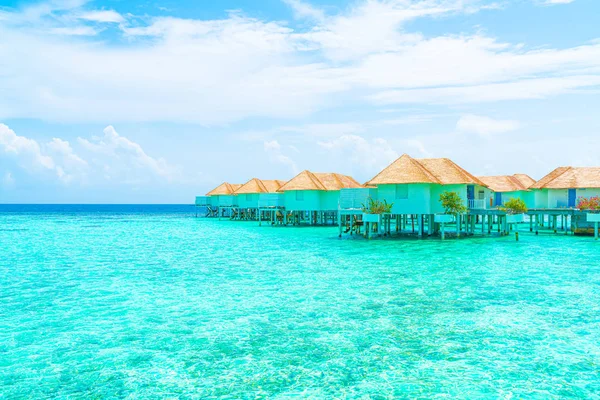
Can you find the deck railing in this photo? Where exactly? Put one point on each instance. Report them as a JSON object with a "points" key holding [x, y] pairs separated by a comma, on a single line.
{"points": [[477, 204], [352, 199], [202, 201]]}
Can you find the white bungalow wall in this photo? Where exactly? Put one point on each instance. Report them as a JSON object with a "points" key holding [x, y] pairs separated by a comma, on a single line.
{"points": [[302, 200], [423, 198]]}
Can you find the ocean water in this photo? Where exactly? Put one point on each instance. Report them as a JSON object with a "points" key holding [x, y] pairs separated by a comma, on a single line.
{"points": [[150, 302]]}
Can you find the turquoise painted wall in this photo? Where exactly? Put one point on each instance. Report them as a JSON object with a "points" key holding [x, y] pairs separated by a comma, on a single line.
{"points": [[527, 197], [311, 200], [248, 200], [407, 199], [423, 198], [307, 200], [330, 200], [226, 200], [271, 200]]}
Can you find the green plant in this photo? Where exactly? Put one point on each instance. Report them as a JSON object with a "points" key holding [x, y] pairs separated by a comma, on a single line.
{"points": [[452, 203], [514, 206], [377, 207], [593, 203]]}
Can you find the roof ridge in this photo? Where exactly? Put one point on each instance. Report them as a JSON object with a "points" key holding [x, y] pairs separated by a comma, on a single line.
{"points": [[383, 170], [425, 169], [315, 179], [337, 178], [564, 171]]}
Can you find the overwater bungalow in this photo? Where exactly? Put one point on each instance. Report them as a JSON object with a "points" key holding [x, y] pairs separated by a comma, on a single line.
{"points": [[562, 187], [223, 202], [314, 197], [256, 195], [504, 187], [414, 187]]}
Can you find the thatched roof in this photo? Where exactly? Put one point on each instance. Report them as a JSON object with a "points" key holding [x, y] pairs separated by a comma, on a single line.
{"points": [[255, 185], [570, 178], [425, 170], [508, 183], [307, 180], [224, 189]]}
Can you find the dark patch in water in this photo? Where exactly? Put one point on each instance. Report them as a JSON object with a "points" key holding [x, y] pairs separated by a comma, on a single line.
{"points": [[14, 230]]}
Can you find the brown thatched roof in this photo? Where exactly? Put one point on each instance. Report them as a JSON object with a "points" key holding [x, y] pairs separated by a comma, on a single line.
{"points": [[224, 189], [570, 178], [508, 183], [525, 180], [425, 170], [255, 185], [307, 180]]}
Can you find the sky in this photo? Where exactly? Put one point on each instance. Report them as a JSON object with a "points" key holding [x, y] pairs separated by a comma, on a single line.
{"points": [[153, 101]]}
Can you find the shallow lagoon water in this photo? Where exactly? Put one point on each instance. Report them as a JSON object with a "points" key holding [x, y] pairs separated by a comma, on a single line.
{"points": [[154, 303]]}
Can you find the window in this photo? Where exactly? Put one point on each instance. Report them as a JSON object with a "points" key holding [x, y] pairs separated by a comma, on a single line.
{"points": [[299, 195], [401, 192]]}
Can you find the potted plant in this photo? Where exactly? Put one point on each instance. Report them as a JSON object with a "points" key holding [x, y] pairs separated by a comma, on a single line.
{"points": [[453, 205], [374, 208], [592, 206], [515, 209]]}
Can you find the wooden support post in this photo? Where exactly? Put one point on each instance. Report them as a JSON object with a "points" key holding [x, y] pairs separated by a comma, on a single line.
{"points": [[430, 224], [458, 224], [483, 224], [555, 222], [473, 217], [531, 223], [596, 230], [339, 224], [443, 231]]}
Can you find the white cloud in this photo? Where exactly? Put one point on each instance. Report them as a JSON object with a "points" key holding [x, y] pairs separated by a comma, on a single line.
{"points": [[370, 155], [219, 71], [520, 90], [111, 157], [27, 151], [123, 159], [552, 2], [305, 10], [104, 16], [485, 126], [74, 31], [274, 150]]}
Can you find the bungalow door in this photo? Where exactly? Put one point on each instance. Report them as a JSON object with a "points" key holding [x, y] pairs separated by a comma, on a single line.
{"points": [[572, 198], [471, 196], [498, 198]]}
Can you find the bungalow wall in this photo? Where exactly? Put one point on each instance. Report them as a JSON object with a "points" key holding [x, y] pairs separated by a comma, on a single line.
{"points": [[437, 190], [271, 200], [411, 198], [540, 198], [587, 193], [528, 198], [247, 200], [303, 200], [226, 200], [330, 200], [355, 198]]}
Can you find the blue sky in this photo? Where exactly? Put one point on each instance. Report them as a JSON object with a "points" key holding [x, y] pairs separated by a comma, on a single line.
{"points": [[158, 101]]}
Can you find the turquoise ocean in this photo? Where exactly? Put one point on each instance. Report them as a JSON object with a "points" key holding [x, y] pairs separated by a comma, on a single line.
{"points": [[150, 302]]}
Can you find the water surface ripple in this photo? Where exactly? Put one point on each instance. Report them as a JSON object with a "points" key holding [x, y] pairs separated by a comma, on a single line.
{"points": [[151, 305]]}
